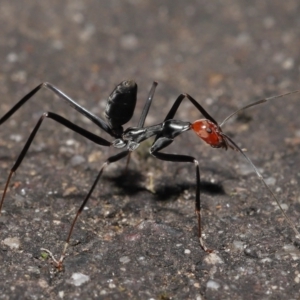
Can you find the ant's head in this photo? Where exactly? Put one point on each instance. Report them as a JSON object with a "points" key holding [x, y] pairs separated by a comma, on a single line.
{"points": [[210, 133]]}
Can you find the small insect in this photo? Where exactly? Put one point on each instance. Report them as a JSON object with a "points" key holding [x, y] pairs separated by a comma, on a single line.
{"points": [[119, 110]]}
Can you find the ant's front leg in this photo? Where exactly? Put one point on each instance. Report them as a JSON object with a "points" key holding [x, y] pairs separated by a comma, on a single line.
{"points": [[163, 142], [94, 138]]}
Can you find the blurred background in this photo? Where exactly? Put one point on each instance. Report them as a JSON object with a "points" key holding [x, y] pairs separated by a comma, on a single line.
{"points": [[223, 53]]}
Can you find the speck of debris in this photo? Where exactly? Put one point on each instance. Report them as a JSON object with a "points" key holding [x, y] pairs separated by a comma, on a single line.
{"points": [[288, 64], [284, 206], [124, 259], [77, 160], [213, 259], [78, 279], [112, 285], [129, 42], [297, 278], [69, 191], [95, 156], [291, 250], [16, 137], [187, 251], [266, 260], [70, 142], [244, 169], [12, 57], [33, 270], [237, 246], [270, 181], [211, 284], [12, 243]]}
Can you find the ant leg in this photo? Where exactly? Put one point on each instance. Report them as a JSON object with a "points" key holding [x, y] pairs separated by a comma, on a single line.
{"points": [[127, 163], [110, 160], [94, 138], [143, 115], [178, 101], [163, 142], [98, 121], [176, 105], [147, 105]]}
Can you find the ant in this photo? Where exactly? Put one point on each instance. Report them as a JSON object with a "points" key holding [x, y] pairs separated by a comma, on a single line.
{"points": [[119, 110]]}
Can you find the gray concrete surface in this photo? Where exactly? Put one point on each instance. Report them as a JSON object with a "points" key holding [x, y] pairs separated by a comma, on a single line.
{"points": [[137, 240]]}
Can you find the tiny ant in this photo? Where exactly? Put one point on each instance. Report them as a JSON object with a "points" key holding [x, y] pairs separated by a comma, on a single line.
{"points": [[119, 110]]}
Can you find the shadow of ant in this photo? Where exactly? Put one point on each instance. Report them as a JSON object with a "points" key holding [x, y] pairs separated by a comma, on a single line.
{"points": [[132, 182]]}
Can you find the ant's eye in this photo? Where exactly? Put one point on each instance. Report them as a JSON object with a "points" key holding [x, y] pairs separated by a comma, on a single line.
{"points": [[208, 130]]}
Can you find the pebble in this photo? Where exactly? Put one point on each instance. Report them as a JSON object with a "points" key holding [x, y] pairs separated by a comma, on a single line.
{"points": [[12, 243], [77, 160], [78, 279], [124, 259], [211, 284]]}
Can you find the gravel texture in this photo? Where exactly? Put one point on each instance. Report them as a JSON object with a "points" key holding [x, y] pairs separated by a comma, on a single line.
{"points": [[137, 239]]}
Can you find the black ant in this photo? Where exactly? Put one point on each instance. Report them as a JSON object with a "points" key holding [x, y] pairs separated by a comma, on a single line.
{"points": [[119, 110]]}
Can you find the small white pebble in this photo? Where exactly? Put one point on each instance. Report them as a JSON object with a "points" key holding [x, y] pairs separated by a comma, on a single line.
{"points": [[33, 270], [124, 259], [77, 160], [187, 251], [70, 142], [112, 286], [12, 243], [238, 246], [297, 278], [245, 169], [288, 63], [211, 284], [12, 57], [213, 259], [266, 260], [284, 206], [78, 279], [129, 42], [16, 137], [270, 181]]}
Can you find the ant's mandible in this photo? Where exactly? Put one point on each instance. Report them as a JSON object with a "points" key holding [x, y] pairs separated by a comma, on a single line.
{"points": [[119, 110]]}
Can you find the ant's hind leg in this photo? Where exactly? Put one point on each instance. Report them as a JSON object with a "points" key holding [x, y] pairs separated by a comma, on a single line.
{"points": [[110, 160], [163, 142]]}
